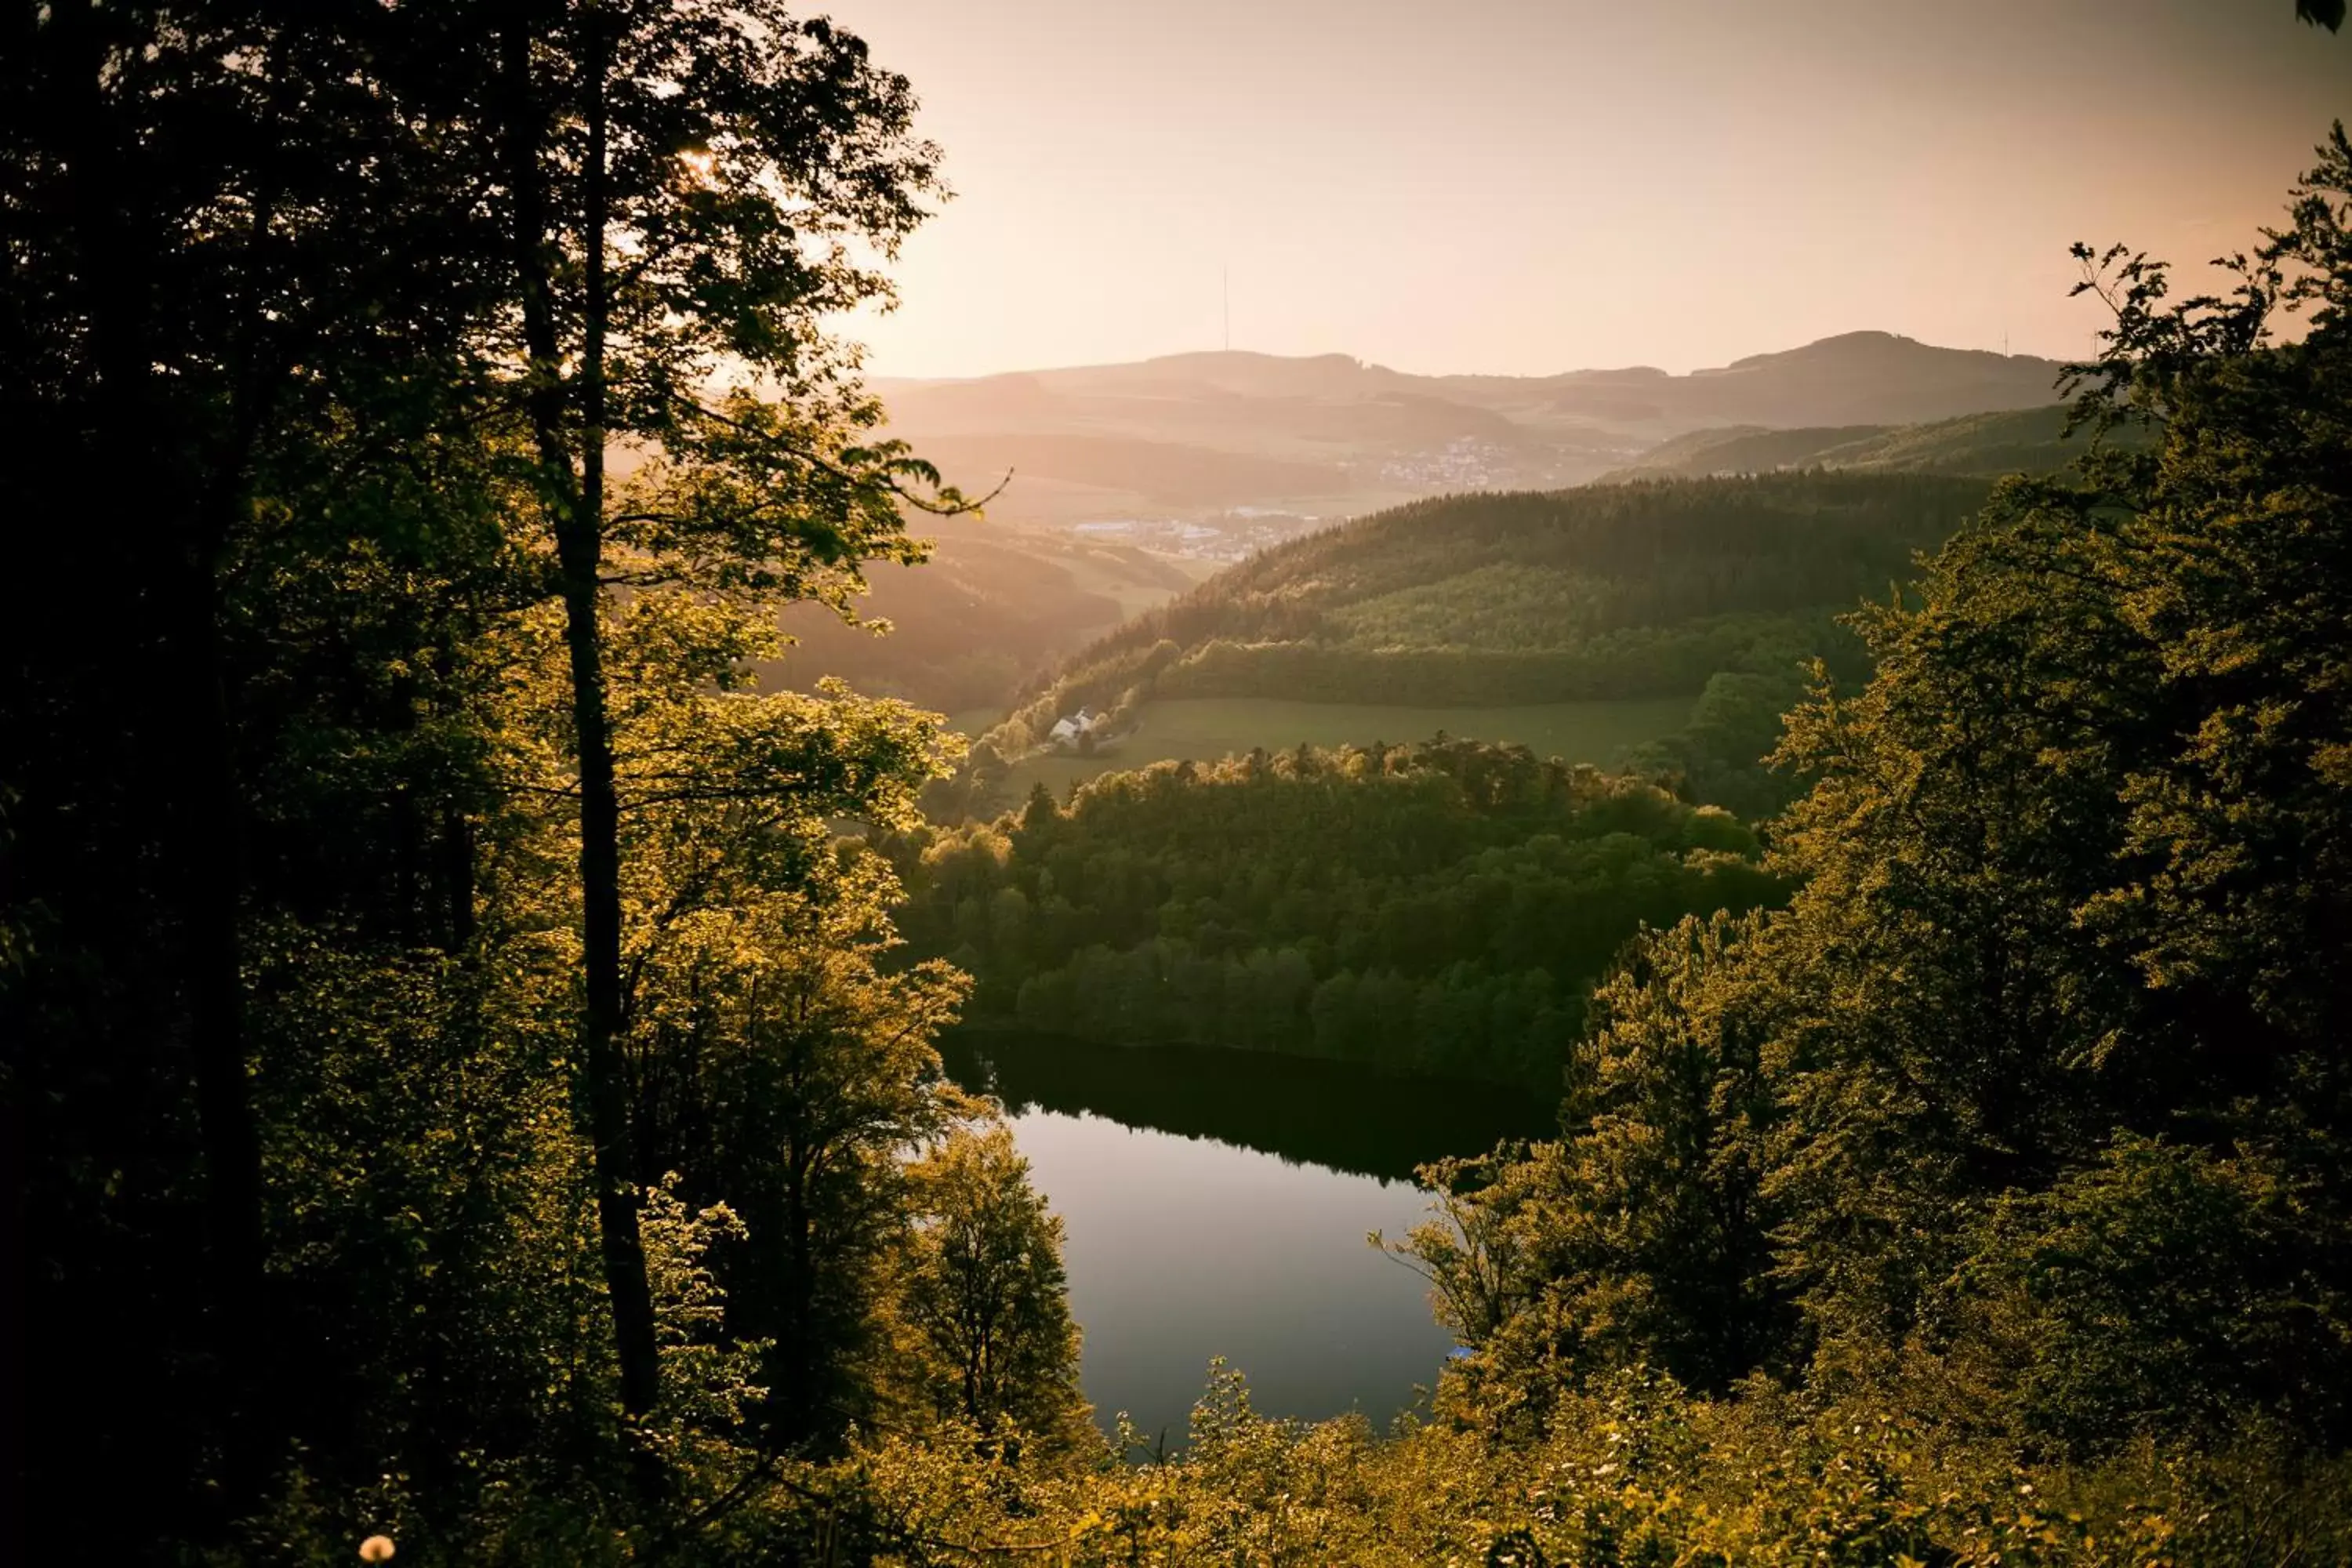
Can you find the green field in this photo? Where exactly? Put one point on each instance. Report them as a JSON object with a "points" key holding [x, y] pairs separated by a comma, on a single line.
{"points": [[974, 722], [1206, 728]]}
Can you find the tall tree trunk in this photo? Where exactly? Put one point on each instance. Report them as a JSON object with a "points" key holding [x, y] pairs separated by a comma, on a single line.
{"points": [[578, 509], [204, 820], [181, 740], [457, 851]]}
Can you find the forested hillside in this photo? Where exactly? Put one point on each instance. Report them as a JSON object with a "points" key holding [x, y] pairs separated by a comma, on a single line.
{"points": [[2027, 1115], [1987, 444], [1437, 909], [471, 1100], [1217, 438], [1723, 587], [1003, 604], [981, 614], [1454, 612]]}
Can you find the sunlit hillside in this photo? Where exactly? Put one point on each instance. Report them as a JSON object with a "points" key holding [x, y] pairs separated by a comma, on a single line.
{"points": [[2029, 440], [992, 606], [1645, 594]]}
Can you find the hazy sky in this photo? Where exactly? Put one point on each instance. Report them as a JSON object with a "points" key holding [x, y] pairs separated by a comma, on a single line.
{"points": [[1534, 185]]}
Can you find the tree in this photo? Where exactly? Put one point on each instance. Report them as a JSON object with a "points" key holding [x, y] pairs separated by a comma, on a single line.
{"points": [[679, 188], [1642, 1236], [326, 320], [776, 1062], [984, 1289], [1671, 1111], [2078, 856], [220, 225], [2159, 1287], [2031, 1104]]}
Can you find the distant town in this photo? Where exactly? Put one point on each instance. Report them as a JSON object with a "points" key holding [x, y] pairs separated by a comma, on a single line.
{"points": [[1232, 535], [1465, 463]]}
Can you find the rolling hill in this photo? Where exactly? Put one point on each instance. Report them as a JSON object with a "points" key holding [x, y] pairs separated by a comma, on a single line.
{"points": [[1711, 591], [1209, 431], [2022, 440], [992, 607], [1131, 482]]}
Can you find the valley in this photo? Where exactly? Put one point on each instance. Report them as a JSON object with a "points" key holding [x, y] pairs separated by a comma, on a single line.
{"points": [[1126, 486], [636, 948]]}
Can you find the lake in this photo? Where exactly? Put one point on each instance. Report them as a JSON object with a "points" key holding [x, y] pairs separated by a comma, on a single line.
{"points": [[1216, 1204]]}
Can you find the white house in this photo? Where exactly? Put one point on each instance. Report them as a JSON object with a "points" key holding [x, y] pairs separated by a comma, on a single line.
{"points": [[1070, 726]]}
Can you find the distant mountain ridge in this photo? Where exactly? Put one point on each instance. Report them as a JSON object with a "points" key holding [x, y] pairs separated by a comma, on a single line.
{"points": [[1331, 434], [1889, 378]]}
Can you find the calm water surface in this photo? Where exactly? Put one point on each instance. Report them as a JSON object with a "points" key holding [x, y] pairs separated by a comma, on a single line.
{"points": [[1217, 1204]]}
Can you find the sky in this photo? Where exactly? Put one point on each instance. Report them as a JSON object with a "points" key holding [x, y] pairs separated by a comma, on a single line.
{"points": [[1528, 186]]}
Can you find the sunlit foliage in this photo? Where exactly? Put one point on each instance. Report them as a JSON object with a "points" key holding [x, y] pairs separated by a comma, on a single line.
{"points": [[477, 1108]]}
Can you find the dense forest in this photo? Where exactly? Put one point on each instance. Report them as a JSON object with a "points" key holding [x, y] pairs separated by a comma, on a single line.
{"points": [[472, 1101], [1436, 908], [463, 1096], [2026, 1116]]}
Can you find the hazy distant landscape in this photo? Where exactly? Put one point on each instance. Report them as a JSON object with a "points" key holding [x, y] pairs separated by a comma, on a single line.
{"points": [[1194, 433], [1128, 483], [712, 857]]}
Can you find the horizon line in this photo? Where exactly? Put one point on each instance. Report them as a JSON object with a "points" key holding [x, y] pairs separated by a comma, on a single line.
{"points": [[2002, 353]]}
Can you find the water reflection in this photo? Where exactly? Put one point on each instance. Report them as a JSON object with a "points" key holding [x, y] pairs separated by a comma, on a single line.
{"points": [[1217, 1204], [1333, 1114]]}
